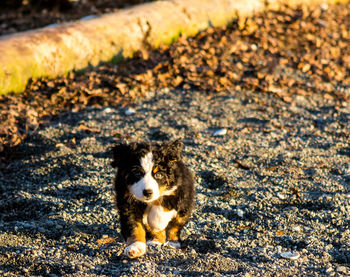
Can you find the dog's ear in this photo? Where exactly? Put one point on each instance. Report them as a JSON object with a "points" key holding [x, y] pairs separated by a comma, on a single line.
{"points": [[174, 149], [120, 152]]}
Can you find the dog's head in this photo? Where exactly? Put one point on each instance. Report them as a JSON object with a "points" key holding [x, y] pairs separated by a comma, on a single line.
{"points": [[148, 171]]}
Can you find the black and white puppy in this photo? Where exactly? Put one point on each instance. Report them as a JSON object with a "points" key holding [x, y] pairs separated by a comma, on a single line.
{"points": [[154, 194]]}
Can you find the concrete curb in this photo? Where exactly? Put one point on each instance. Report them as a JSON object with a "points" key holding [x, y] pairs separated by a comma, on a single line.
{"points": [[54, 51]]}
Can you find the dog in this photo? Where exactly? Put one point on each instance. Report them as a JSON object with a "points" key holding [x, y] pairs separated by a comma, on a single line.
{"points": [[154, 194]]}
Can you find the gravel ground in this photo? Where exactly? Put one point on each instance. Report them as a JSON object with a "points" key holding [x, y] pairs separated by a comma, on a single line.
{"points": [[271, 177]]}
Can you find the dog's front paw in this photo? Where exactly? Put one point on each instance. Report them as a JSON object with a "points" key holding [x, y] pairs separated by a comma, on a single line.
{"points": [[173, 244], [135, 249]]}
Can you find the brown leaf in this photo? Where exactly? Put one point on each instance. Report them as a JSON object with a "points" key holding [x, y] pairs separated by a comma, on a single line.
{"points": [[72, 143], [177, 81], [223, 81], [88, 129], [295, 192], [123, 88], [241, 165], [106, 240], [306, 67], [243, 227], [328, 96], [287, 99]]}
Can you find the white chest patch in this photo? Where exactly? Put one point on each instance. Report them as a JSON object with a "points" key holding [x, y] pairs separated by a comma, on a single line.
{"points": [[158, 219]]}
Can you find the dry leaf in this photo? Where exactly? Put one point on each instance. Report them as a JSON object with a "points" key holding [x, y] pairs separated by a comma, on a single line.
{"points": [[240, 165], [295, 192], [106, 240], [87, 129]]}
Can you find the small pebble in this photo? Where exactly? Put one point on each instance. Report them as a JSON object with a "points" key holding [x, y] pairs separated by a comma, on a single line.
{"points": [[321, 23], [281, 196], [324, 7], [129, 111], [296, 228], [341, 269], [108, 110], [220, 132], [240, 213], [290, 255], [254, 47]]}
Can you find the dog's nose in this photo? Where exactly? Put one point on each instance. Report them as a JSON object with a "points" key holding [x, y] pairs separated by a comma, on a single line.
{"points": [[147, 193]]}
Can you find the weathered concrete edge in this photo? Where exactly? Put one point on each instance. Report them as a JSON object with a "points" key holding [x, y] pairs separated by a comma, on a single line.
{"points": [[57, 50]]}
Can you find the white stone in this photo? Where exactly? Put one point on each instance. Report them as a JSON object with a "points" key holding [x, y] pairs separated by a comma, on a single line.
{"points": [[290, 255], [254, 47], [220, 132], [324, 7], [240, 213], [296, 228], [107, 110], [129, 111], [173, 244]]}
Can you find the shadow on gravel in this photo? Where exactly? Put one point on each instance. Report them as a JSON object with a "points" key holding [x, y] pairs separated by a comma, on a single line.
{"points": [[36, 201], [203, 246], [341, 256], [38, 268], [317, 205], [76, 192], [16, 209], [290, 243]]}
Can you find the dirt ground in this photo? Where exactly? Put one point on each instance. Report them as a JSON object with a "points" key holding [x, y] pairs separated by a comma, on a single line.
{"points": [[263, 110]]}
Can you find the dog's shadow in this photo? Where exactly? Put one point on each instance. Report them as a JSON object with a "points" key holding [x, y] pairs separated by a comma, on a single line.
{"points": [[50, 189]]}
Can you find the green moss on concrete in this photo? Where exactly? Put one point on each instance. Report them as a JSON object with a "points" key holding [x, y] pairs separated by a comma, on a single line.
{"points": [[114, 37]]}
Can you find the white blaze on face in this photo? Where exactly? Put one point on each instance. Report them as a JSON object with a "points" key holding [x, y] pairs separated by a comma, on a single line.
{"points": [[147, 182]]}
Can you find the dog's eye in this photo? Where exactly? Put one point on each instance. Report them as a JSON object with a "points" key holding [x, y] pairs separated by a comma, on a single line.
{"points": [[158, 175]]}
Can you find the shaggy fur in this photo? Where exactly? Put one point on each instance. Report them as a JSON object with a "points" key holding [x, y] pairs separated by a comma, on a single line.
{"points": [[154, 194]]}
